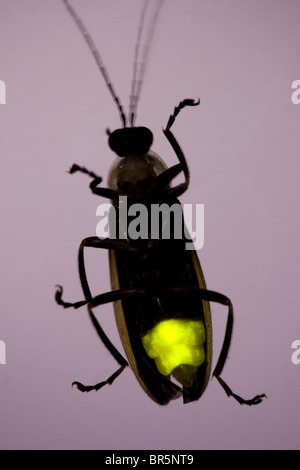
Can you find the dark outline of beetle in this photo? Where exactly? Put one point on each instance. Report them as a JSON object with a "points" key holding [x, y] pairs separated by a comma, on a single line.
{"points": [[125, 142]]}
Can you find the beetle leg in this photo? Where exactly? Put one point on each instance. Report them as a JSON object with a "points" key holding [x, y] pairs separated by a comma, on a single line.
{"points": [[114, 352], [95, 242], [177, 109], [166, 177], [213, 296], [162, 180], [253, 401], [180, 189], [109, 381], [101, 299], [220, 298], [104, 192], [60, 301]]}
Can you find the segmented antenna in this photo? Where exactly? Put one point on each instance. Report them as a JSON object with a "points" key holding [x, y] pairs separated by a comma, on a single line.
{"points": [[139, 72], [132, 97], [97, 57]]}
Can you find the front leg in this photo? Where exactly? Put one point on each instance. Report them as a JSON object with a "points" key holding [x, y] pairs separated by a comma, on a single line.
{"points": [[177, 109], [104, 192], [166, 177], [180, 189]]}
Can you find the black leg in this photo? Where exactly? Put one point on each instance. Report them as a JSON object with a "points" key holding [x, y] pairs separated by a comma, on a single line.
{"points": [[166, 177], [253, 401], [114, 352], [180, 189], [216, 297], [104, 192], [95, 242], [212, 296], [161, 181], [104, 298], [96, 387], [107, 297], [177, 109], [60, 301]]}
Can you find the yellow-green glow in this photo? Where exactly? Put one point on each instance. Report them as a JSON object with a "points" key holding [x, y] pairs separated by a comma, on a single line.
{"points": [[173, 342]]}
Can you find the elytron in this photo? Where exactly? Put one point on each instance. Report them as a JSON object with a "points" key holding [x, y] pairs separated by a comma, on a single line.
{"points": [[161, 303]]}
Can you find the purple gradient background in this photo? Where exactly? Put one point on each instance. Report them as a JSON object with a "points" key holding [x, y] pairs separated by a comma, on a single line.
{"points": [[242, 146]]}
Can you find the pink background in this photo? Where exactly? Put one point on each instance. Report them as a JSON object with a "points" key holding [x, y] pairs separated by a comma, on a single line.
{"points": [[242, 146]]}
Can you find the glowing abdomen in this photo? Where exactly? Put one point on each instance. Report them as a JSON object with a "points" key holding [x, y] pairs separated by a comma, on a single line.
{"points": [[177, 348]]}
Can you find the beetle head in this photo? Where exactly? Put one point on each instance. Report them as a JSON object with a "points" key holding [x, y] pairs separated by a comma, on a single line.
{"points": [[130, 141]]}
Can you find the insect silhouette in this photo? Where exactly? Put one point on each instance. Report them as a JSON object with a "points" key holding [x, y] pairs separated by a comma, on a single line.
{"points": [[161, 303]]}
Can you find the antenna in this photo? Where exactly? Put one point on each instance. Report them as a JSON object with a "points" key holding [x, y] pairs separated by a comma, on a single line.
{"points": [[132, 104], [139, 72], [97, 57]]}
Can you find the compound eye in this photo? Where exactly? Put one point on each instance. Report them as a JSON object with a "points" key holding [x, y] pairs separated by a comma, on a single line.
{"points": [[144, 139]]}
